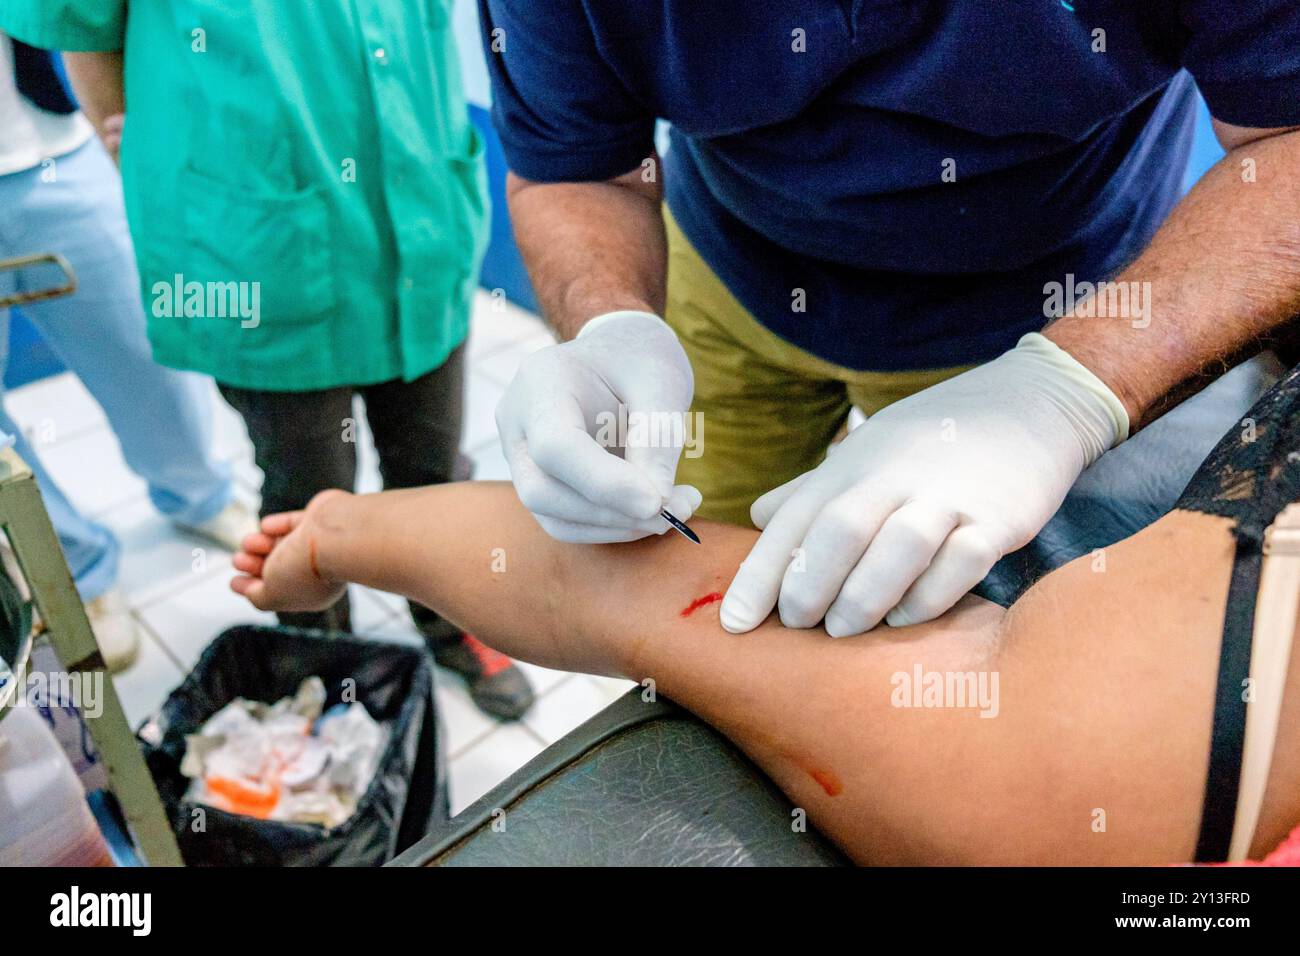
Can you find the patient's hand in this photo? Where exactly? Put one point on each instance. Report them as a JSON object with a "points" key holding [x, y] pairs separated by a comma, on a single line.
{"points": [[280, 571]]}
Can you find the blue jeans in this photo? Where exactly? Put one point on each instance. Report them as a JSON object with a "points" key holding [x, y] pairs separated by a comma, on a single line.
{"points": [[162, 418]]}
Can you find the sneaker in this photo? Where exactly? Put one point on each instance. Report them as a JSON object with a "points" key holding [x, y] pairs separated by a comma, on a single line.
{"points": [[496, 684], [228, 527], [116, 630]]}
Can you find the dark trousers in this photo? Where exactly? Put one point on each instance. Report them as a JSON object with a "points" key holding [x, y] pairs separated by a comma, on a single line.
{"points": [[305, 442]]}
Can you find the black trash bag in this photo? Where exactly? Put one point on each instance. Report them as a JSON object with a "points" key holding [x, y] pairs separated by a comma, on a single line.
{"points": [[395, 684]]}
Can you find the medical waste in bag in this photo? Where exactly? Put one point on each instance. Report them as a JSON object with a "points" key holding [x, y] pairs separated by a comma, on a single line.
{"points": [[285, 761]]}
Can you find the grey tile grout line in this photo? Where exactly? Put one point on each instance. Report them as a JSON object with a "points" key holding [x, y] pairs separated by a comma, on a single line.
{"points": [[482, 738], [369, 595], [165, 588], [498, 725], [536, 736], [197, 579], [474, 741], [157, 639]]}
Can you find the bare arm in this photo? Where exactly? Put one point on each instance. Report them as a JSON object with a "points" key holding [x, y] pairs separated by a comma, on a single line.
{"points": [[97, 80], [1224, 273], [592, 248], [1104, 680]]}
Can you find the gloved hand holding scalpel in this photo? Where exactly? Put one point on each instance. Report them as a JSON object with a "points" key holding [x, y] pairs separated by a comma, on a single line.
{"points": [[908, 514]]}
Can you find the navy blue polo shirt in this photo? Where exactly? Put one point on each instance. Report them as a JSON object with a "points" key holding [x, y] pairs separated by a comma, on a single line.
{"points": [[911, 173]]}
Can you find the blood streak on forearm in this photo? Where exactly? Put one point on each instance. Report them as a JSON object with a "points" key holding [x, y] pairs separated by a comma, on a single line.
{"points": [[699, 602]]}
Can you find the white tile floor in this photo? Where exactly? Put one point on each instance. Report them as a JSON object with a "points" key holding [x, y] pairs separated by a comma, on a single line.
{"points": [[178, 590]]}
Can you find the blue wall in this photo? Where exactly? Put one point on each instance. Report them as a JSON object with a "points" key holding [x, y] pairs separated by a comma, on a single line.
{"points": [[1206, 150], [503, 268], [29, 357]]}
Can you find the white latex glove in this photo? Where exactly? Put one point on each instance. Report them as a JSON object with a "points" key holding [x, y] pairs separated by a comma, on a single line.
{"points": [[915, 506], [565, 397]]}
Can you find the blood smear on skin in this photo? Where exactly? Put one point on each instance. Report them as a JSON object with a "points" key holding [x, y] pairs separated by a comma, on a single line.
{"points": [[699, 602], [828, 782]]}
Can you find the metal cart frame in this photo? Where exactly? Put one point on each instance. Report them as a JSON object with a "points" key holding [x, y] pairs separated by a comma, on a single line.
{"points": [[26, 523]]}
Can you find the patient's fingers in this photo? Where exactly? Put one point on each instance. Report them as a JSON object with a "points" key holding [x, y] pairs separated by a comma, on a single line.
{"points": [[248, 563], [574, 533], [252, 588], [258, 543], [282, 523]]}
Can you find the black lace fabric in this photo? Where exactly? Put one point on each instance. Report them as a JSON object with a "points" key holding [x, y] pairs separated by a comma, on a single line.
{"points": [[1250, 476], [1254, 471]]}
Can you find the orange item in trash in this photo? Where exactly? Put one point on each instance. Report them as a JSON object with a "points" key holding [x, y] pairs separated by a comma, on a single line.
{"points": [[245, 797]]}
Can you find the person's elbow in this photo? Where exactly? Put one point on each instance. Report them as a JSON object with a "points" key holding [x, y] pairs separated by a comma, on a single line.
{"points": [[644, 181]]}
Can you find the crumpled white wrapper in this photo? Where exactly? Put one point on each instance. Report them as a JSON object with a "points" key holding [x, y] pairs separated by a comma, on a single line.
{"points": [[314, 767]]}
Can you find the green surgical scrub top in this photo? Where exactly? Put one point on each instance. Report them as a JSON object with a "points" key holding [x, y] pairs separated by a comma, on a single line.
{"points": [[305, 191]]}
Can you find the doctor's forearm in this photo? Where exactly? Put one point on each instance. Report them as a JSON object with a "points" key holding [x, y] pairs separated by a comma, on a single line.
{"points": [[591, 248], [1224, 274]]}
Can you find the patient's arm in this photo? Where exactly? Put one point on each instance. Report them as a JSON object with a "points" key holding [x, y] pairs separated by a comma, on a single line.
{"points": [[1105, 678]]}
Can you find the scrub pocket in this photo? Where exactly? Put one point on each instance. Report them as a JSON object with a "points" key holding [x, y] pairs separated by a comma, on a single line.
{"points": [[470, 200], [453, 224], [276, 242]]}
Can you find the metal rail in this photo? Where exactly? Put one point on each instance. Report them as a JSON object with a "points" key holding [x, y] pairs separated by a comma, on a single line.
{"points": [[40, 295], [35, 545]]}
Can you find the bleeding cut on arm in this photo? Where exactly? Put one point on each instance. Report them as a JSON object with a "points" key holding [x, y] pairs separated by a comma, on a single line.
{"points": [[1086, 712]]}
